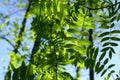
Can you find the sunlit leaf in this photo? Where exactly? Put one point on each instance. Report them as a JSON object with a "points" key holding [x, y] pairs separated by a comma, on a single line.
{"points": [[85, 42], [84, 33], [73, 31], [71, 39], [4, 24], [39, 77]]}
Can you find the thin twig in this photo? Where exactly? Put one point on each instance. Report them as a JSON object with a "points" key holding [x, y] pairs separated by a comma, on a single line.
{"points": [[4, 38], [7, 40]]}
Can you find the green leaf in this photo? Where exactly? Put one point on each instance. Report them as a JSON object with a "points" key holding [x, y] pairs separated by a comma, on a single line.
{"points": [[71, 38], [47, 76], [106, 61], [112, 25], [72, 57], [112, 71], [71, 50], [106, 44], [15, 74], [84, 33], [115, 12], [69, 45], [105, 49], [73, 31], [116, 1], [100, 68], [4, 24], [30, 69], [104, 27], [23, 70], [118, 79], [39, 77], [103, 72], [87, 63], [104, 34], [102, 56], [110, 43], [115, 38], [108, 76], [115, 31], [96, 53], [110, 66], [119, 6], [97, 66], [67, 75], [118, 17], [8, 75], [113, 51], [110, 54], [92, 63], [91, 52], [85, 42], [105, 39], [111, 20], [113, 44]]}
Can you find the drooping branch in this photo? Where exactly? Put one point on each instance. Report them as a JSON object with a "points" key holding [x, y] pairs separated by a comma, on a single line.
{"points": [[103, 6], [4, 38]]}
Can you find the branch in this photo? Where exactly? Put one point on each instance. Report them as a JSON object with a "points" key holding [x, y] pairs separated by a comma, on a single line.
{"points": [[8, 74], [4, 38], [103, 7], [7, 40], [22, 29]]}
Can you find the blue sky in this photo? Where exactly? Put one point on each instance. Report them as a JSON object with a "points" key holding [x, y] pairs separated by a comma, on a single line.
{"points": [[4, 58]]}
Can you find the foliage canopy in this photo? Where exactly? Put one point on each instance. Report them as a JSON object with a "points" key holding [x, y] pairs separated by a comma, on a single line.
{"points": [[59, 33]]}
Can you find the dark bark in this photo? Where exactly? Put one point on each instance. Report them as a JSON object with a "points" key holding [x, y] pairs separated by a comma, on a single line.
{"points": [[91, 71], [35, 47]]}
